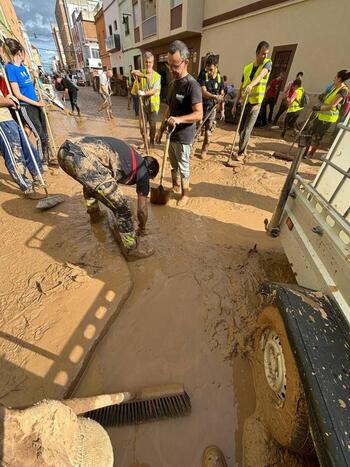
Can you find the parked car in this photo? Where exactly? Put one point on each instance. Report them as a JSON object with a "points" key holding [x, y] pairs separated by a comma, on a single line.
{"points": [[81, 82]]}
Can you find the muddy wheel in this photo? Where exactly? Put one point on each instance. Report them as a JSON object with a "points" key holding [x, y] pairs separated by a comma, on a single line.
{"points": [[279, 390]]}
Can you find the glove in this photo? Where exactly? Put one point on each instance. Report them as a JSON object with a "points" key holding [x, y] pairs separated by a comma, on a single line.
{"points": [[316, 108], [141, 93]]}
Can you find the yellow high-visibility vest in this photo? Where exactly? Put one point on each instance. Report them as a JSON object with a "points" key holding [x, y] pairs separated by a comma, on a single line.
{"points": [[333, 114], [295, 105], [218, 82], [155, 99], [258, 91]]}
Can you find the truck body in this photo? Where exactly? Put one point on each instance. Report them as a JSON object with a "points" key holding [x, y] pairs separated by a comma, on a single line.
{"points": [[314, 229]]}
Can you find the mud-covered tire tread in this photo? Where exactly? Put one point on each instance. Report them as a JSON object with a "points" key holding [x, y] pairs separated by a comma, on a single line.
{"points": [[294, 434]]}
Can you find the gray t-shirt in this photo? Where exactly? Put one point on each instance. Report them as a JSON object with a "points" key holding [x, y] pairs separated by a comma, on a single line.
{"points": [[182, 95]]}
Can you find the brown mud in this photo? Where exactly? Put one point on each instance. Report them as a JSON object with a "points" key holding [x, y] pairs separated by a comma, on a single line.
{"points": [[191, 314]]}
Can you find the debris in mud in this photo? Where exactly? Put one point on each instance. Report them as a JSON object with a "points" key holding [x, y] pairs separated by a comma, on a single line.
{"points": [[260, 449], [235, 301]]}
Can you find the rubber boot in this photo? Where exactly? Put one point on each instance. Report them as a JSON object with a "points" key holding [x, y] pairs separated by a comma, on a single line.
{"points": [[134, 247], [175, 180], [185, 184], [31, 194], [152, 135], [213, 457], [204, 152]]}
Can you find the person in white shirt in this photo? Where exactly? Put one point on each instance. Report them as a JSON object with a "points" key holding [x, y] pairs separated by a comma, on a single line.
{"points": [[106, 92]]}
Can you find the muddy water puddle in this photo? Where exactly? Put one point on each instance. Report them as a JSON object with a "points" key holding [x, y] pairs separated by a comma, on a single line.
{"points": [[191, 314], [176, 328]]}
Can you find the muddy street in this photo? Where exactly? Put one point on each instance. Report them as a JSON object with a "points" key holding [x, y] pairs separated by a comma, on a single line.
{"points": [[88, 322]]}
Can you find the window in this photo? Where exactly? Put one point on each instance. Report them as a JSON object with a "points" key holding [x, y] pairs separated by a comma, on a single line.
{"points": [[114, 71], [115, 25], [110, 29], [136, 14], [175, 3], [95, 53], [126, 25], [121, 70], [137, 62]]}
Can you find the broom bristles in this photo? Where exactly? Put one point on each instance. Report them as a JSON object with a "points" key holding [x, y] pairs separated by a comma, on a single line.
{"points": [[143, 410]]}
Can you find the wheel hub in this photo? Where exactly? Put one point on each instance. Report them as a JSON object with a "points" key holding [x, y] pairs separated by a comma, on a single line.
{"points": [[274, 364]]}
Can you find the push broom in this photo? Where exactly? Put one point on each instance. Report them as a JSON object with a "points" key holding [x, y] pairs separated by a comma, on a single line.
{"points": [[125, 408], [49, 201]]}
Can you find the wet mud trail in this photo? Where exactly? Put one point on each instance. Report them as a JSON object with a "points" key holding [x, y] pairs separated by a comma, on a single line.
{"points": [[190, 319], [190, 315]]}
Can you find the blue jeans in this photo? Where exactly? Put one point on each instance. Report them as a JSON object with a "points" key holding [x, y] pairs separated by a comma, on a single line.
{"points": [[14, 148], [179, 155]]}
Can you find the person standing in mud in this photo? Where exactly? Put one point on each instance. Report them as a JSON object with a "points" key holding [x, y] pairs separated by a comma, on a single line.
{"points": [[212, 85], [254, 81], [69, 89], [15, 151], [106, 92], [101, 165], [185, 108], [31, 108], [147, 86]]}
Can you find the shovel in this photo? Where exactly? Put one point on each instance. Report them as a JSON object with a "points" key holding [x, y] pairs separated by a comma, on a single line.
{"points": [[161, 195], [49, 201], [231, 162], [142, 120]]}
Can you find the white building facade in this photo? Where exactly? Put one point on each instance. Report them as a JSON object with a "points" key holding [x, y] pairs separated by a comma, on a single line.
{"points": [[113, 33]]}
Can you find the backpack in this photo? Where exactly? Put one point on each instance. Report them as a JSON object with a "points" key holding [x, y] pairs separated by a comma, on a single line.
{"points": [[305, 99]]}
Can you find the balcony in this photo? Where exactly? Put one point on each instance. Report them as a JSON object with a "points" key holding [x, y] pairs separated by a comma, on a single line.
{"points": [[149, 27], [93, 63], [113, 43]]}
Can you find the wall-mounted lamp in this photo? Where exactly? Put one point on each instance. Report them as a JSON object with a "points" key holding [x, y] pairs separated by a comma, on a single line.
{"points": [[125, 18]]}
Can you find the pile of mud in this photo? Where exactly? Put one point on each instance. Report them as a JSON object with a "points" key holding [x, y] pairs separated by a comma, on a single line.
{"points": [[233, 329]]}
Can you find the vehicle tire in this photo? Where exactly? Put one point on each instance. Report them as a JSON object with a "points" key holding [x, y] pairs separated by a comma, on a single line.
{"points": [[279, 391]]}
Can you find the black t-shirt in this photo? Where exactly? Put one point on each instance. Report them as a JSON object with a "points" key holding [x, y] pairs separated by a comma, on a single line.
{"points": [[214, 86], [68, 84], [123, 155], [182, 95]]}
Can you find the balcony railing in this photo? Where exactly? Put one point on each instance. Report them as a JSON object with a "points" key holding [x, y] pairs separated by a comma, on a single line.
{"points": [[149, 27], [113, 43]]}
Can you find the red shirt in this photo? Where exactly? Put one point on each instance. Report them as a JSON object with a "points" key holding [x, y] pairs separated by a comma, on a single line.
{"points": [[3, 87], [274, 88]]}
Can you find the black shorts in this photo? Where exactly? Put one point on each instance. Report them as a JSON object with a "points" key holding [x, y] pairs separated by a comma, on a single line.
{"points": [[318, 130]]}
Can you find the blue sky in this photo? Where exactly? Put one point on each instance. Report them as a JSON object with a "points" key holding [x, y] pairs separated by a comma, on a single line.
{"points": [[37, 15]]}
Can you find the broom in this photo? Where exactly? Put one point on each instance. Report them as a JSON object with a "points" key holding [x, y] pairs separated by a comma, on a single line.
{"points": [[125, 408]]}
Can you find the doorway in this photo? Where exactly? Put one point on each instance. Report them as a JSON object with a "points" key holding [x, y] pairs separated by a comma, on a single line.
{"points": [[282, 58], [137, 62]]}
